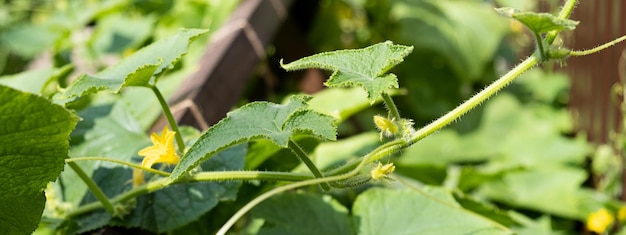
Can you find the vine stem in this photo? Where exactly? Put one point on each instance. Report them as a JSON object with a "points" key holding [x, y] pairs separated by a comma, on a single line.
{"points": [[391, 106], [298, 151], [170, 119], [376, 154], [598, 48], [565, 12], [475, 100], [542, 52], [133, 165], [93, 187], [199, 177]]}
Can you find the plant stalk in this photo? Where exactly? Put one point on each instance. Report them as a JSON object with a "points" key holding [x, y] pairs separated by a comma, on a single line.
{"points": [[93, 187], [299, 152], [170, 119], [133, 165], [391, 106], [598, 48], [565, 12], [477, 99], [200, 177]]}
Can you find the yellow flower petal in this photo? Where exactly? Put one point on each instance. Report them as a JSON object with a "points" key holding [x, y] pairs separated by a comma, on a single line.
{"points": [[621, 213], [161, 151], [381, 171], [599, 221]]}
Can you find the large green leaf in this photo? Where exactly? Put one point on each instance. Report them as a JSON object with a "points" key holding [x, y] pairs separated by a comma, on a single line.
{"points": [[139, 69], [258, 120], [303, 214], [538, 22], [365, 67], [550, 190], [33, 148], [385, 211]]}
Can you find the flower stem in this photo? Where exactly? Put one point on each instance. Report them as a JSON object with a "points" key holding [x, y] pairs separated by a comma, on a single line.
{"points": [[170, 119], [598, 48], [391, 106], [299, 152], [93, 187], [133, 165]]}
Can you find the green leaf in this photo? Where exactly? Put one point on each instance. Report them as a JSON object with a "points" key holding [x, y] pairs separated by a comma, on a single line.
{"points": [[137, 69], [365, 67], [34, 145], [539, 22], [303, 214], [385, 211], [258, 120], [551, 190]]}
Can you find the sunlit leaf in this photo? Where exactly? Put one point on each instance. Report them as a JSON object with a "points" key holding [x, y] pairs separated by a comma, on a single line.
{"points": [[258, 120], [366, 68], [385, 211], [139, 69]]}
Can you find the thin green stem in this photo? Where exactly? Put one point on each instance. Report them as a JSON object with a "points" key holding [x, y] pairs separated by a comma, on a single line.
{"points": [[247, 175], [565, 12], [376, 154], [541, 50], [475, 100], [133, 165], [299, 152], [598, 48], [391, 106], [170, 119], [93, 187], [257, 200], [199, 177]]}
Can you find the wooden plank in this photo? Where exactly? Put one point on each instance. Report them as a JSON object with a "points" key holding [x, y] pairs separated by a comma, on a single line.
{"points": [[229, 60]]}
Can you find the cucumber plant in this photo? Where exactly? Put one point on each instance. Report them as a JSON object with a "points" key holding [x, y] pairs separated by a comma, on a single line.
{"points": [[195, 171]]}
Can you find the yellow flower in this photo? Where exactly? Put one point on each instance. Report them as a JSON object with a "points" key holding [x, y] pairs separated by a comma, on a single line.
{"points": [[599, 221], [621, 213], [387, 127], [381, 171], [162, 151]]}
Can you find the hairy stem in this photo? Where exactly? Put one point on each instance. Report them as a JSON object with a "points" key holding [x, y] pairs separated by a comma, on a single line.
{"points": [[170, 119], [391, 106], [598, 48], [475, 100], [93, 187], [565, 12], [541, 51], [298, 151], [133, 165]]}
